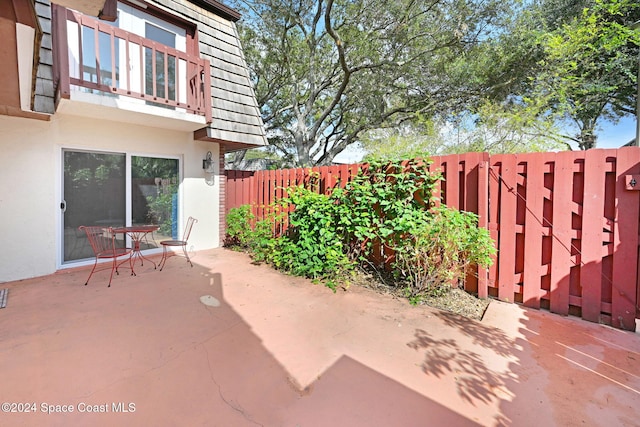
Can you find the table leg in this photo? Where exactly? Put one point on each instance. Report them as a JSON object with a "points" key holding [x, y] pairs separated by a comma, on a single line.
{"points": [[137, 252]]}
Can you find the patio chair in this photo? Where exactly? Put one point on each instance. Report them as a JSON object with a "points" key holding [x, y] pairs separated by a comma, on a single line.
{"points": [[175, 243], [103, 243]]}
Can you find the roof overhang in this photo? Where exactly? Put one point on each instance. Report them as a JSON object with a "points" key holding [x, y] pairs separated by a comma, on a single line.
{"points": [[19, 52], [88, 7], [204, 134], [219, 9], [21, 37]]}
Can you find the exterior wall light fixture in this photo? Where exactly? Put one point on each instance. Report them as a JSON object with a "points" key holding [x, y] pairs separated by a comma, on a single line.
{"points": [[209, 169]]}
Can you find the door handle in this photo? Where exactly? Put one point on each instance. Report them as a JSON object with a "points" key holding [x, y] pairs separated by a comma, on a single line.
{"points": [[63, 206]]}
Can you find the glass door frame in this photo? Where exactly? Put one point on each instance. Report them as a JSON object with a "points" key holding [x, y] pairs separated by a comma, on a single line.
{"points": [[60, 262]]}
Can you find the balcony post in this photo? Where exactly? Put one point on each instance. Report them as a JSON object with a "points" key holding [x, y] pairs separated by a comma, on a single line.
{"points": [[60, 53]]}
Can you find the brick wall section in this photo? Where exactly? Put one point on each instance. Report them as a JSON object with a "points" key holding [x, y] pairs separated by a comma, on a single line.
{"points": [[223, 197]]}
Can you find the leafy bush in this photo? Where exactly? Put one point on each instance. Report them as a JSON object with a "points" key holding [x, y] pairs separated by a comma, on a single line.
{"points": [[440, 252], [261, 240], [385, 204], [257, 238], [160, 209], [239, 226], [313, 245], [387, 209], [239, 222]]}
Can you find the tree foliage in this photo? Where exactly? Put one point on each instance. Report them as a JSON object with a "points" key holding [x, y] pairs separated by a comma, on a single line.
{"points": [[573, 63], [327, 71], [438, 76], [589, 71], [492, 127]]}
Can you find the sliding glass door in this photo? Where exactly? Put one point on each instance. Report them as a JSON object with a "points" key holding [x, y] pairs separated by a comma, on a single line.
{"points": [[154, 194], [93, 194], [116, 189]]}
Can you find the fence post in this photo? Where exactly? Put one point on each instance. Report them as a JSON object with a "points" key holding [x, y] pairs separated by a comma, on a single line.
{"points": [[625, 262], [483, 216]]}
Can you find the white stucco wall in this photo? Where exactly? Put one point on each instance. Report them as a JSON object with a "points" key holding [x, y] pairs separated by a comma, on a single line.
{"points": [[31, 176], [27, 202]]}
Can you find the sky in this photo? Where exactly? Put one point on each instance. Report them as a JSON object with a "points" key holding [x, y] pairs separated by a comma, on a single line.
{"points": [[615, 136], [611, 136]]}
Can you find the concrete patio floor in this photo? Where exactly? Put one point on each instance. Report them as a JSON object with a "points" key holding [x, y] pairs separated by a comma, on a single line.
{"points": [[229, 343]]}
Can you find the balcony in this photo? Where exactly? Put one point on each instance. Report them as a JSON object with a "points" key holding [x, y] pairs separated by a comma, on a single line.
{"points": [[97, 65]]}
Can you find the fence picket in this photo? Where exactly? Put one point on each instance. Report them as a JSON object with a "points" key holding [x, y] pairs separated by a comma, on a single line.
{"points": [[452, 176], [591, 247], [436, 167], [533, 231], [482, 189], [469, 165], [561, 260], [506, 201], [493, 225]]}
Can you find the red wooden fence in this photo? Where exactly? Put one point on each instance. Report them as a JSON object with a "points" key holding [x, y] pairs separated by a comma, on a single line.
{"points": [[565, 224]]}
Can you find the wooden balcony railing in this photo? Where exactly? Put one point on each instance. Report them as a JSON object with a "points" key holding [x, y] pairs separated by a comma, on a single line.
{"points": [[93, 56]]}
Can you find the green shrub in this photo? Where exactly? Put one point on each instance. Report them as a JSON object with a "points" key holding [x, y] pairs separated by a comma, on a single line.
{"points": [[257, 238], [261, 240], [387, 206], [386, 203], [313, 245], [239, 226], [440, 252]]}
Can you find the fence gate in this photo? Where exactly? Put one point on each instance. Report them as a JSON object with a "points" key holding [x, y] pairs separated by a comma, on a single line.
{"points": [[567, 226]]}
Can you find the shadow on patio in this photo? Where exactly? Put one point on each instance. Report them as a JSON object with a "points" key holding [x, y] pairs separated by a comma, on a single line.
{"points": [[149, 341], [274, 350], [561, 371]]}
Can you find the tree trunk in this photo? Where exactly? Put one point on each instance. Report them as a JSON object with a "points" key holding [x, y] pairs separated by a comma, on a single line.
{"points": [[588, 138]]}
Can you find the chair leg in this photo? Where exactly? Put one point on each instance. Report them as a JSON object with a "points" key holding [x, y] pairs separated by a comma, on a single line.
{"points": [[184, 250], [95, 264], [164, 257], [114, 267], [130, 259], [133, 273]]}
